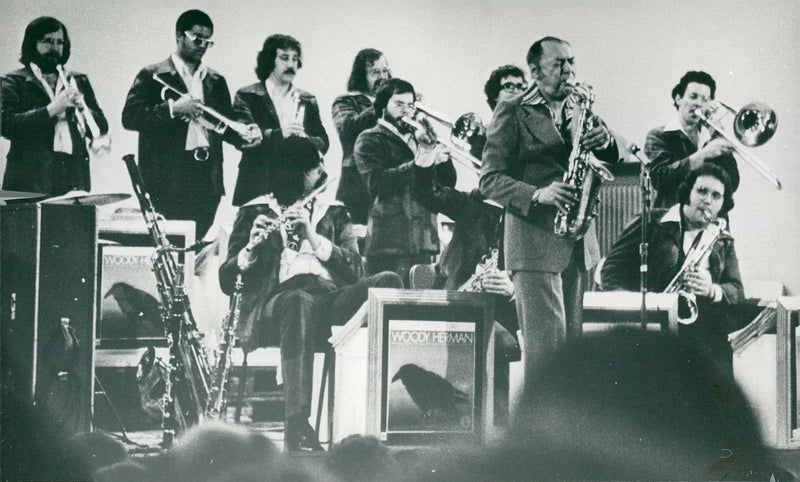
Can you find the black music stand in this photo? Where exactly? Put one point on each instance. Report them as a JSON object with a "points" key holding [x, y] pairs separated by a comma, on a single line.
{"points": [[645, 186]]}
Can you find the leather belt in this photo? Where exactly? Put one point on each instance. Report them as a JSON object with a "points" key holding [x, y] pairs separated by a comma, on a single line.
{"points": [[200, 154]]}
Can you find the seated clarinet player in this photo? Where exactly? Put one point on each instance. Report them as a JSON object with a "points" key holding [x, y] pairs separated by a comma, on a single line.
{"points": [[692, 229], [300, 276]]}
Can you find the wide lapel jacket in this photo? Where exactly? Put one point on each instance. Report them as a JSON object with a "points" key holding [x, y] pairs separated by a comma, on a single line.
{"points": [[252, 104], [524, 152]]}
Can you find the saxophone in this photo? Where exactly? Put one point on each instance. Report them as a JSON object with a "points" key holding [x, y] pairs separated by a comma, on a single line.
{"points": [[700, 250], [187, 382], [583, 172], [475, 282]]}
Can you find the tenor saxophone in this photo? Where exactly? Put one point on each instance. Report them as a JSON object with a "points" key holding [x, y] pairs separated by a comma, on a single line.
{"points": [[583, 171]]}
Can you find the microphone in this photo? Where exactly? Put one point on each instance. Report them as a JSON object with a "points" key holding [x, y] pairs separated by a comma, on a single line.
{"points": [[636, 151]]}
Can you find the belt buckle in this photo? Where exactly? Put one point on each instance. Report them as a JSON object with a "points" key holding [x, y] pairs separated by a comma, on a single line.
{"points": [[201, 154]]}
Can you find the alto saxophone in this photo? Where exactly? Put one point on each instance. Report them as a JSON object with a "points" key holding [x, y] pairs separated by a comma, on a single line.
{"points": [[700, 250], [583, 172], [475, 282]]}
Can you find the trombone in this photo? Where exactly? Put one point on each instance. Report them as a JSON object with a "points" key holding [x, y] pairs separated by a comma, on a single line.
{"points": [[466, 133], [97, 142], [753, 125], [222, 122]]}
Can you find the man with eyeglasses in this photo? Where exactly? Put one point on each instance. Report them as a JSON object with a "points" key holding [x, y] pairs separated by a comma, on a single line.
{"points": [[401, 232], [180, 149], [524, 160], [279, 109], [42, 117], [504, 83], [354, 113], [684, 144]]}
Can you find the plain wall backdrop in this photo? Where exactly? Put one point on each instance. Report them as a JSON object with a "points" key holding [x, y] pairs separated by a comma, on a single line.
{"points": [[632, 52]]}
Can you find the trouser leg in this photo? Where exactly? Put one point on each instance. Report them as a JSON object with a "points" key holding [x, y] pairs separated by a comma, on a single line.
{"points": [[541, 315], [293, 308], [573, 282]]}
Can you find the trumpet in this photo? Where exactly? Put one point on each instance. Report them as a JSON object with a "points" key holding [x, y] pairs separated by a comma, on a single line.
{"points": [[753, 125], [699, 251], [466, 133], [217, 122], [96, 141]]}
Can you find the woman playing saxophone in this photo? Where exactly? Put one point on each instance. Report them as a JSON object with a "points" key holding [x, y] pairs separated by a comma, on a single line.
{"points": [[690, 250]]}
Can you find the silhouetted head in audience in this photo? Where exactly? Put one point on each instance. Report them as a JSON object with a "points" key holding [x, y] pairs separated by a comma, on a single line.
{"points": [[96, 450], [628, 404], [212, 450], [361, 458]]}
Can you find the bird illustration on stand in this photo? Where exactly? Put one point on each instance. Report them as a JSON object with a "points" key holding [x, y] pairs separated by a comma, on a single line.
{"points": [[430, 392]]}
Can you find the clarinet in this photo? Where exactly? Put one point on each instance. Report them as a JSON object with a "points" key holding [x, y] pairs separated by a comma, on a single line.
{"points": [[187, 384], [215, 406]]}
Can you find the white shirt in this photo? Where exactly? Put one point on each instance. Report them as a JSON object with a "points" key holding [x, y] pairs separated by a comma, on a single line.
{"points": [[62, 141], [196, 136], [674, 124], [286, 103]]}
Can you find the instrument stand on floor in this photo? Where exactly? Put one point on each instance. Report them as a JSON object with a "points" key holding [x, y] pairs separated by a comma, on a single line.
{"points": [[645, 185], [123, 436]]}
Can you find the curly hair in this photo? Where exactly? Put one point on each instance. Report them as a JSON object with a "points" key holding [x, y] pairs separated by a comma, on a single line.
{"points": [[190, 18], [696, 76], [35, 31], [358, 75], [713, 170], [265, 61], [492, 87], [293, 156]]}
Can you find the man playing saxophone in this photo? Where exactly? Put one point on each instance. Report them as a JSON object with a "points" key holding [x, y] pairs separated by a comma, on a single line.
{"points": [[524, 160], [703, 197]]}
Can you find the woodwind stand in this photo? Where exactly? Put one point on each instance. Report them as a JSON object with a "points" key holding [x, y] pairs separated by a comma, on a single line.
{"points": [[645, 186]]}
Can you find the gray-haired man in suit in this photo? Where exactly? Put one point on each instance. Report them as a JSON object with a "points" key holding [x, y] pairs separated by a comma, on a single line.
{"points": [[524, 160]]}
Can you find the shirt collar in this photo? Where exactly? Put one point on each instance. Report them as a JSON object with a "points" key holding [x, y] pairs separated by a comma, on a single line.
{"points": [[183, 69], [274, 90], [673, 215], [393, 129], [356, 93], [674, 125], [534, 96]]}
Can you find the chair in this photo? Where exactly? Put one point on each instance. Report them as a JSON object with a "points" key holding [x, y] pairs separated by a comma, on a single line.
{"points": [[422, 276]]}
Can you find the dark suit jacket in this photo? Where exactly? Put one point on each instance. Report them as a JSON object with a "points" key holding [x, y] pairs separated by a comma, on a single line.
{"points": [[665, 257], [672, 149], [353, 114], [162, 139], [525, 152], [398, 223], [30, 129], [261, 279], [253, 104]]}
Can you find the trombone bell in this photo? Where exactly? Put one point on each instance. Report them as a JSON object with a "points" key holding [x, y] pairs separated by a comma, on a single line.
{"points": [[755, 124]]}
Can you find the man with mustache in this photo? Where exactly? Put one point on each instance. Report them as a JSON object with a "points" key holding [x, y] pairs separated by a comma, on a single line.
{"points": [[702, 198], [524, 160], [684, 144], [279, 109], [401, 231], [180, 155], [354, 113], [41, 116]]}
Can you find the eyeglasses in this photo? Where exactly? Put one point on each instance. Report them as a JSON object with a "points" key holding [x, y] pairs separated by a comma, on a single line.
{"points": [[52, 42], [514, 87], [403, 105], [199, 42], [376, 72]]}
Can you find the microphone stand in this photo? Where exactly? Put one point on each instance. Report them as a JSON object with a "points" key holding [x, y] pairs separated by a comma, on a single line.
{"points": [[645, 186]]}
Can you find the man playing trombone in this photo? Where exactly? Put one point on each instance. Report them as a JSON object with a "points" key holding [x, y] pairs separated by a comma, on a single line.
{"points": [[674, 234], [180, 147], [279, 109], [401, 231], [684, 144], [43, 112]]}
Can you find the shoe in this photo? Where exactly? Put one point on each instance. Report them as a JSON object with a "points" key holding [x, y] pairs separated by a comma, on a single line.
{"points": [[300, 437]]}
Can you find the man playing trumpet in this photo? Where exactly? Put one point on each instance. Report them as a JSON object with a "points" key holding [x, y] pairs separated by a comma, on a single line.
{"points": [[179, 156], [41, 115], [279, 109], [703, 197]]}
